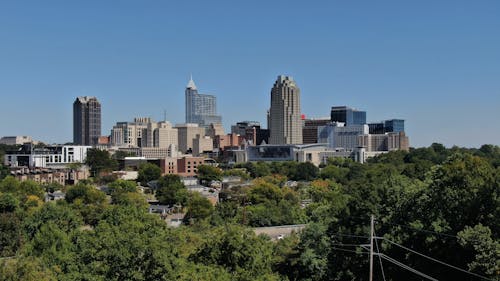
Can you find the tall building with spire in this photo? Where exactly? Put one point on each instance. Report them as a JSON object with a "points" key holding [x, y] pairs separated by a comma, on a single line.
{"points": [[285, 123], [201, 109], [86, 121]]}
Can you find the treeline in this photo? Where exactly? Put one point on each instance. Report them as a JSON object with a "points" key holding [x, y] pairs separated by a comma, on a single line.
{"points": [[439, 202]]}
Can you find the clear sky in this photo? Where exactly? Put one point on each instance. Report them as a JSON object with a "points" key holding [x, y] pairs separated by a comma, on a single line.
{"points": [[435, 64]]}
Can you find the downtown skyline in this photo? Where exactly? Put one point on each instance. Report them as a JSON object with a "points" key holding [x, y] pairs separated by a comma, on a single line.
{"points": [[136, 59]]}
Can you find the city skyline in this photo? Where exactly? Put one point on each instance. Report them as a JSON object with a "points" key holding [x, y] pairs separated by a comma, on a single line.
{"points": [[435, 65]]}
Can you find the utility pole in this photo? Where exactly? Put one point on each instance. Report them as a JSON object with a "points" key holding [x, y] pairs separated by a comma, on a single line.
{"points": [[371, 247]]}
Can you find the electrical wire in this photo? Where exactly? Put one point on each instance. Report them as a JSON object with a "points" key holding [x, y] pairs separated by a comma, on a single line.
{"points": [[350, 251], [433, 259], [400, 264], [379, 258]]}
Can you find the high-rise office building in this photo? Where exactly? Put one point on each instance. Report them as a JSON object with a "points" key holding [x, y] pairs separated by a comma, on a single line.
{"points": [[387, 126], [285, 123], [200, 108], [310, 129], [86, 121], [347, 115], [144, 132]]}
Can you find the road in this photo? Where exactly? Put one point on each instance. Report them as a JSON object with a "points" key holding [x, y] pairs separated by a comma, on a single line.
{"points": [[279, 231]]}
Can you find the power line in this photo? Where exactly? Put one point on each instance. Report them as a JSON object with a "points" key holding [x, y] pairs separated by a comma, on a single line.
{"points": [[379, 258], [435, 260], [400, 264], [350, 235], [421, 230], [350, 251]]}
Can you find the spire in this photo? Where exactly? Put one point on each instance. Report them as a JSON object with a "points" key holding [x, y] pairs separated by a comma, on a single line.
{"points": [[191, 84]]}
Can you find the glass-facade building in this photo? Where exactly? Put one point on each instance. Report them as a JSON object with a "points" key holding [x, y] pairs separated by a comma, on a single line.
{"points": [[348, 115], [200, 108], [394, 125], [387, 126]]}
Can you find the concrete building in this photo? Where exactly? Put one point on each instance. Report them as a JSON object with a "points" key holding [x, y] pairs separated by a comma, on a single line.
{"points": [[310, 129], [144, 132], [58, 156], [44, 176], [251, 131], [200, 108], [86, 121], [214, 130], [338, 136], [202, 144], [186, 166], [384, 142], [186, 134], [285, 122], [16, 140]]}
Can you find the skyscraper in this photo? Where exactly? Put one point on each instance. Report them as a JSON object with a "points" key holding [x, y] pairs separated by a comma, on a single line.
{"points": [[86, 121], [200, 108], [285, 122], [347, 115]]}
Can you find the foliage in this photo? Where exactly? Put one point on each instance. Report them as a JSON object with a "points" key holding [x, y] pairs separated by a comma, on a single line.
{"points": [[171, 190], [148, 172], [100, 161], [198, 207], [207, 174]]}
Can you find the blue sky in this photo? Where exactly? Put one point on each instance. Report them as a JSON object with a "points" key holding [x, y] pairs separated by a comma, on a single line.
{"points": [[435, 64]]}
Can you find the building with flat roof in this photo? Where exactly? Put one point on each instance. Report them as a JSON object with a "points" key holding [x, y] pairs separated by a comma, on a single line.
{"points": [[186, 134], [347, 115], [16, 140], [55, 156], [310, 129], [86, 121]]}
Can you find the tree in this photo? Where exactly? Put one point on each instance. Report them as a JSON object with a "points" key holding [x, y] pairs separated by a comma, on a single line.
{"points": [[207, 174], [11, 235], [171, 190], [100, 161], [239, 251], [8, 202], [87, 193], [305, 171], [148, 172], [198, 207]]}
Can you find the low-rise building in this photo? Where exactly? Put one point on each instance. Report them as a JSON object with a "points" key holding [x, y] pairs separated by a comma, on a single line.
{"points": [[56, 156]]}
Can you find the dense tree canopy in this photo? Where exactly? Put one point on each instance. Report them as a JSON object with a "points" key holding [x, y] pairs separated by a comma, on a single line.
{"points": [[439, 202]]}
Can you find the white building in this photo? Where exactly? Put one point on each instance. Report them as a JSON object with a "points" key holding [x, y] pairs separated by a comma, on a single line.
{"points": [[341, 137], [47, 157]]}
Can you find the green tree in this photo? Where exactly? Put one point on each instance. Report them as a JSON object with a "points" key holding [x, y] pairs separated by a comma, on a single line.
{"points": [[100, 161], [207, 174], [8, 202], [11, 235], [486, 250], [171, 190], [198, 207], [88, 194], [148, 172]]}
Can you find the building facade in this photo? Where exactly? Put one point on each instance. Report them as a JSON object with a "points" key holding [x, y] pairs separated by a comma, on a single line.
{"points": [[341, 137], [186, 134], [144, 132], [310, 129], [201, 109], [347, 115], [86, 121], [285, 123], [46, 157], [16, 140]]}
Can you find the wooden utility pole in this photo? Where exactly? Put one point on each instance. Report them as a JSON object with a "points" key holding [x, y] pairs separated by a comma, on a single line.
{"points": [[371, 247]]}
